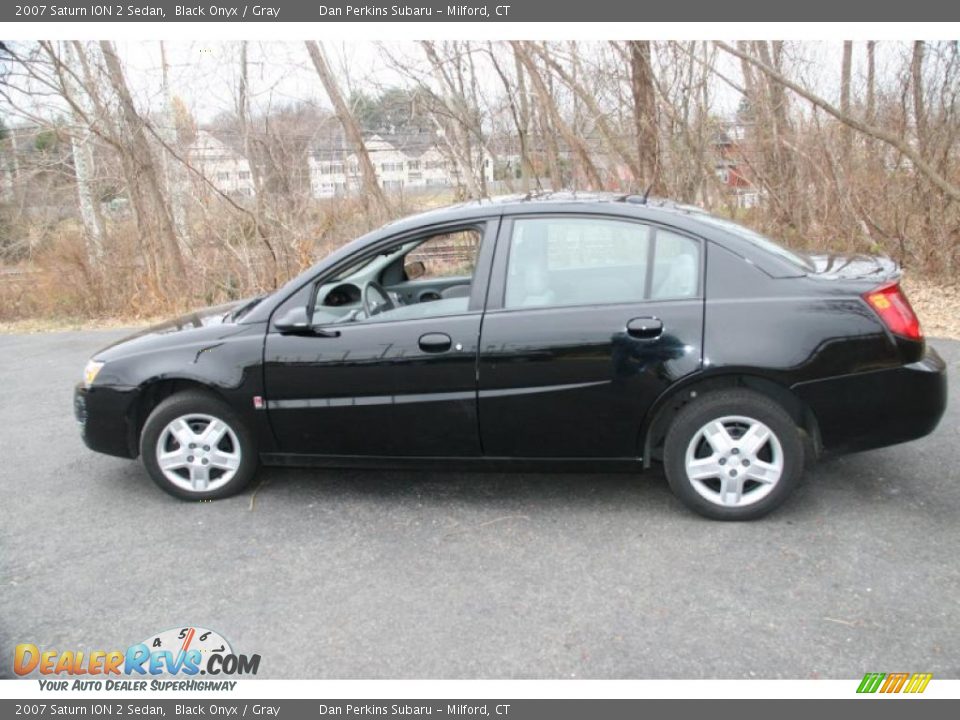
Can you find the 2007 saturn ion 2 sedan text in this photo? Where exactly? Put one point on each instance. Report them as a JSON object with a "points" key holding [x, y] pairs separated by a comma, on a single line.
{"points": [[554, 331]]}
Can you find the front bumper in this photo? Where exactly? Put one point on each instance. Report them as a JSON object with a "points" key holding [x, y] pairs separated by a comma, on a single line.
{"points": [[878, 408], [108, 419]]}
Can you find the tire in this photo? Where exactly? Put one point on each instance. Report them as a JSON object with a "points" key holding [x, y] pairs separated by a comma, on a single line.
{"points": [[736, 474], [218, 455]]}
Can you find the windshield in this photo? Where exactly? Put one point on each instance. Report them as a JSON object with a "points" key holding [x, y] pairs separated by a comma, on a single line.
{"points": [[761, 241]]}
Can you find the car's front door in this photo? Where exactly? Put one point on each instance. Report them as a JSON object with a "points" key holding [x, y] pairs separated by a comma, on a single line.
{"points": [[589, 319], [399, 383]]}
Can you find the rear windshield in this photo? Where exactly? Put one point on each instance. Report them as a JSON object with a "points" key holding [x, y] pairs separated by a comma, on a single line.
{"points": [[761, 241]]}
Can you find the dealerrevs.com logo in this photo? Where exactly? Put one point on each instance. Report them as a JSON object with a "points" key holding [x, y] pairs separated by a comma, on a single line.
{"points": [[154, 664]]}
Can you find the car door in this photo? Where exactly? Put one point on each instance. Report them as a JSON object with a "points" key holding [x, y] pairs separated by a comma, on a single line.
{"points": [[401, 383], [589, 318]]}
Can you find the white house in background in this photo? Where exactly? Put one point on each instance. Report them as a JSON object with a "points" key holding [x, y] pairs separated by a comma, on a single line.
{"points": [[401, 161], [225, 168]]}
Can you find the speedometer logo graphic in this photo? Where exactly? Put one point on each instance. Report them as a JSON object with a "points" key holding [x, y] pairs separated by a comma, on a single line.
{"points": [[179, 641]]}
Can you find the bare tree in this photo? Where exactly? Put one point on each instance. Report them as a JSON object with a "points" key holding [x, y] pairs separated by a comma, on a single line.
{"points": [[846, 68], [874, 170], [463, 114], [373, 196], [916, 74], [173, 171], [548, 108], [142, 156], [615, 144], [81, 140], [519, 113], [265, 227], [926, 169], [645, 113]]}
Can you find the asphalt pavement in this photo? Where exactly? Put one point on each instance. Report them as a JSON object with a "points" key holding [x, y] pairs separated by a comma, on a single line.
{"points": [[363, 574]]}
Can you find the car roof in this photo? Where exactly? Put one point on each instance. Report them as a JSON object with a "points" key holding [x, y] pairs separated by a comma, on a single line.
{"points": [[544, 201]]}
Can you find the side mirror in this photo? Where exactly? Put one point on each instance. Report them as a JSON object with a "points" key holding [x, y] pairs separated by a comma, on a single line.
{"points": [[295, 321], [415, 270]]}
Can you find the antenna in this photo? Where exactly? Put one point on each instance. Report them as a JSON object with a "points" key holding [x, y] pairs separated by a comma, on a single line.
{"points": [[647, 193]]}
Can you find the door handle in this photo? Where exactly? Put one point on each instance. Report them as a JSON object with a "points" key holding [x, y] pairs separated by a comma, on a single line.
{"points": [[435, 342], [645, 328]]}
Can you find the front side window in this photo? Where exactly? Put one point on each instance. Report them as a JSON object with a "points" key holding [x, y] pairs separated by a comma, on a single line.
{"points": [[431, 276], [446, 256], [588, 261]]}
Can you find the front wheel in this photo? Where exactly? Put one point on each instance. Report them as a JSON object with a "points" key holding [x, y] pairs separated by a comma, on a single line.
{"points": [[733, 455], [196, 447]]}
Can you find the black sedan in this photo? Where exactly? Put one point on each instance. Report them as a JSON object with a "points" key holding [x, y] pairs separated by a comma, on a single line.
{"points": [[560, 331]]}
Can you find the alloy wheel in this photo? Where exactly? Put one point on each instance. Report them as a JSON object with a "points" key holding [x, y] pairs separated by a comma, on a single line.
{"points": [[734, 461], [198, 453]]}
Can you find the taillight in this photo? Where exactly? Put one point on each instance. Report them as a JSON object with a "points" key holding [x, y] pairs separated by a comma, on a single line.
{"points": [[894, 309]]}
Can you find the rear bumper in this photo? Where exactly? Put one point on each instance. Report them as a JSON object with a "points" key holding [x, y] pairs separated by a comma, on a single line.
{"points": [[107, 419], [879, 408]]}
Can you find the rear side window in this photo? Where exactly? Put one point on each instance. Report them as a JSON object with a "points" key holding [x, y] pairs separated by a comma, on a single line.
{"points": [[676, 267], [587, 261]]}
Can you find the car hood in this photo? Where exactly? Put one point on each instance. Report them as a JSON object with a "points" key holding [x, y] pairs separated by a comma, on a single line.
{"points": [[197, 326]]}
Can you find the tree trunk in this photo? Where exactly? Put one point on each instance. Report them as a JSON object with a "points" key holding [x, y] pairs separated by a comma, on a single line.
{"points": [[85, 170], [373, 197], [845, 71], [145, 166], [551, 149], [520, 116], [172, 170], [919, 113], [644, 114], [871, 80], [483, 153], [264, 228], [526, 164]]}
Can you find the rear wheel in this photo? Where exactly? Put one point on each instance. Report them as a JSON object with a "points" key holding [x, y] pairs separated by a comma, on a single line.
{"points": [[196, 447], [733, 455]]}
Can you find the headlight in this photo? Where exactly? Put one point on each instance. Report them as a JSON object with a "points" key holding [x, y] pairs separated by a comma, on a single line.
{"points": [[90, 372]]}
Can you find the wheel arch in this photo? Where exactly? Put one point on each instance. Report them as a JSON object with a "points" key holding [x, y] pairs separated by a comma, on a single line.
{"points": [[665, 408], [152, 393]]}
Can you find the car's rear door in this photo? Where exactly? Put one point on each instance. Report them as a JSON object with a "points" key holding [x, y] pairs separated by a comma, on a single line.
{"points": [[589, 318]]}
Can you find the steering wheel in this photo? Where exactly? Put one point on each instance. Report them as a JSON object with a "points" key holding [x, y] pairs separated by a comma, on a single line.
{"points": [[371, 306]]}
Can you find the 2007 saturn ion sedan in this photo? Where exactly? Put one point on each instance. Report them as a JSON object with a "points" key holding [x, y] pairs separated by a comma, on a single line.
{"points": [[556, 331]]}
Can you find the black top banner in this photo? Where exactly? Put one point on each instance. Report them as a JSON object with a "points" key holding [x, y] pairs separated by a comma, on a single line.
{"points": [[501, 11]]}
